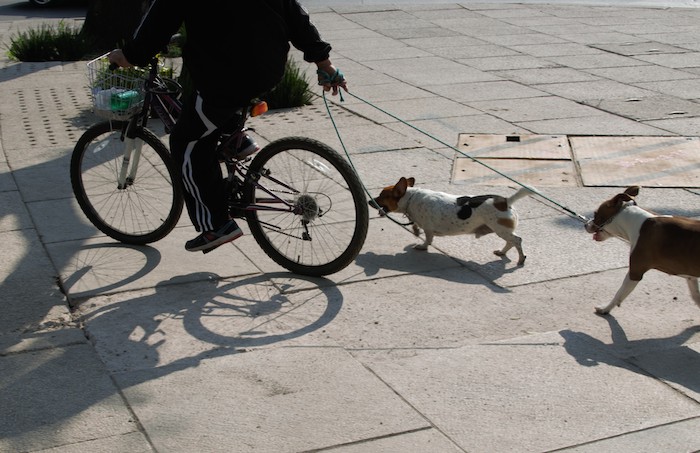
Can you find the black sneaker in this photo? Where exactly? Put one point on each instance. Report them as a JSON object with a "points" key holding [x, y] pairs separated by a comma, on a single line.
{"points": [[238, 146], [209, 240], [247, 147]]}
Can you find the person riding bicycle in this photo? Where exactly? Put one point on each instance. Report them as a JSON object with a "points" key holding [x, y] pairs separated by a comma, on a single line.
{"points": [[234, 51]]}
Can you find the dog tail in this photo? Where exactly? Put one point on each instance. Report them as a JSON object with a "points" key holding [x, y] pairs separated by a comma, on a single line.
{"points": [[522, 193]]}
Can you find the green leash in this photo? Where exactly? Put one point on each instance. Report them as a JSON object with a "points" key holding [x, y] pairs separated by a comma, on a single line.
{"points": [[534, 191]]}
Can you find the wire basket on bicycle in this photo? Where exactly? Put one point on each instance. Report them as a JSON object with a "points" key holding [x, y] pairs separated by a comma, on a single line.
{"points": [[116, 94]]}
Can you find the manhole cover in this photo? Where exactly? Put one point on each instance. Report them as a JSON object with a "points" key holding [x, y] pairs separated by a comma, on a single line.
{"points": [[536, 160]]}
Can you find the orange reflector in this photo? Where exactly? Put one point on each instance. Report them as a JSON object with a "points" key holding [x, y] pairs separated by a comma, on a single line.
{"points": [[258, 109]]}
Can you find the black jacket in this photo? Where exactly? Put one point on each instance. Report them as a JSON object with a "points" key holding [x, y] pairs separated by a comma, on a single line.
{"points": [[235, 49]]}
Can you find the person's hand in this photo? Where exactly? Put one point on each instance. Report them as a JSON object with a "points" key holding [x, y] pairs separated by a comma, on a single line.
{"points": [[117, 57], [330, 77]]}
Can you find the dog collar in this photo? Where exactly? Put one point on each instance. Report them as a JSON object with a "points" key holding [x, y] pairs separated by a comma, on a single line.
{"points": [[599, 228]]}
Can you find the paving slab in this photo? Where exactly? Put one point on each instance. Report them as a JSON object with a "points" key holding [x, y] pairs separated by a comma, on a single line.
{"points": [[678, 436], [509, 62], [417, 442], [412, 110], [635, 74], [535, 76], [52, 336], [687, 89], [521, 146], [677, 367], [445, 131], [650, 108], [623, 161], [424, 72], [598, 124], [13, 212], [478, 393], [383, 168], [48, 115], [533, 109], [593, 92], [59, 397], [31, 297], [133, 442], [531, 172], [601, 60], [43, 174], [678, 126], [102, 265], [333, 398]]}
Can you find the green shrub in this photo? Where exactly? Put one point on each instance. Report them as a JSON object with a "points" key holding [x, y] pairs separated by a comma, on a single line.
{"points": [[49, 43], [291, 91]]}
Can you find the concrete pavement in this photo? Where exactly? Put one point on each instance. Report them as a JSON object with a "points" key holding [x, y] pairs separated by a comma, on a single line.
{"points": [[109, 348]]}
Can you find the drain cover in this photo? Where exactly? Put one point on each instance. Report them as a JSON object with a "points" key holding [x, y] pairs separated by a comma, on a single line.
{"points": [[537, 160]]}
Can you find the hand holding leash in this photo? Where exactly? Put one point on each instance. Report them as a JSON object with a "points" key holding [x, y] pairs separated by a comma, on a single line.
{"points": [[330, 78]]}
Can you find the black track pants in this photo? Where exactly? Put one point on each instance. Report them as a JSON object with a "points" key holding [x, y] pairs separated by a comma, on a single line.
{"points": [[193, 147]]}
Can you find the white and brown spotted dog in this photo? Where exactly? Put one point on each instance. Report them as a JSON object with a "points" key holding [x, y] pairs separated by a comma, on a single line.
{"points": [[443, 214], [670, 244]]}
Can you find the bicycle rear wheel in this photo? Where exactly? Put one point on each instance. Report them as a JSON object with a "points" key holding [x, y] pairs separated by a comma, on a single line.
{"points": [[143, 210], [326, 227]]}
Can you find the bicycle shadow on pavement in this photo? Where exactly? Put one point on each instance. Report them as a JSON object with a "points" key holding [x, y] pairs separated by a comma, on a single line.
{"points": [[143, 336], [667, 358], [191, 317], [101, 268]]}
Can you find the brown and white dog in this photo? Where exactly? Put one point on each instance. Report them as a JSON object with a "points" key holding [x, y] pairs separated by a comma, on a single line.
{"points": [[670, 244], [443, 214]]}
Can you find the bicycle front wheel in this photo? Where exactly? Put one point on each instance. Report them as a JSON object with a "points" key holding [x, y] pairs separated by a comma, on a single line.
{"points": [[309, 212], [132, 199]]}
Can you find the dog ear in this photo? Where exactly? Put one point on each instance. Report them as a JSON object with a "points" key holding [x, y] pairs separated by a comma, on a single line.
{"points": [[632, 191], [621, 198], [400, 187], [411, 181]]}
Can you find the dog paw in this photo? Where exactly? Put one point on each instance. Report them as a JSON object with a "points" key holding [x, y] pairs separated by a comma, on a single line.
{"points": [[522, 261], [498, 253], [421, 247], [602, 311]]}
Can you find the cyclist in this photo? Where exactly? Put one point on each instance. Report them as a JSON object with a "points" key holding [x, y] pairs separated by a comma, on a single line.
{"points": [[234, 51]]}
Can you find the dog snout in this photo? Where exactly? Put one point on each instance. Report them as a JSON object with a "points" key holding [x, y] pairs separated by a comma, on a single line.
{"points": [[375, 204]]}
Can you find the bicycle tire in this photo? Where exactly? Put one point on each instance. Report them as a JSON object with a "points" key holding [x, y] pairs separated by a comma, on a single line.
{"points": [[144, 211], [329, 196]]}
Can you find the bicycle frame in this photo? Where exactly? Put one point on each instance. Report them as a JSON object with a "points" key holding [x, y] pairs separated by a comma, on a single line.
{"points": [[161, 99]]}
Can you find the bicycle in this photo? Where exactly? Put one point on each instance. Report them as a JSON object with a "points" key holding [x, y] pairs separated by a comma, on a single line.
{"points": [[303, 202]]}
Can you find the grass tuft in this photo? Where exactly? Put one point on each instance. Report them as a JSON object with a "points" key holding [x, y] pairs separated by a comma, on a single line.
{"points": [[49, 43], [291, 91]]}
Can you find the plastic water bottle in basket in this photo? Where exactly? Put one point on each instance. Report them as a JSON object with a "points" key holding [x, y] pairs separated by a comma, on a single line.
{"points": [[117, 94]]}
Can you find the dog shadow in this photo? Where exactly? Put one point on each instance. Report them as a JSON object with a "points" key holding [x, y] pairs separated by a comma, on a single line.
{"points": [[667, 358], [438, 265]]}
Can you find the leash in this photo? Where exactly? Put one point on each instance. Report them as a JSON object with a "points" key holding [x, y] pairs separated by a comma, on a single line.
{"points": [[345, 150], [568, 211]]}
